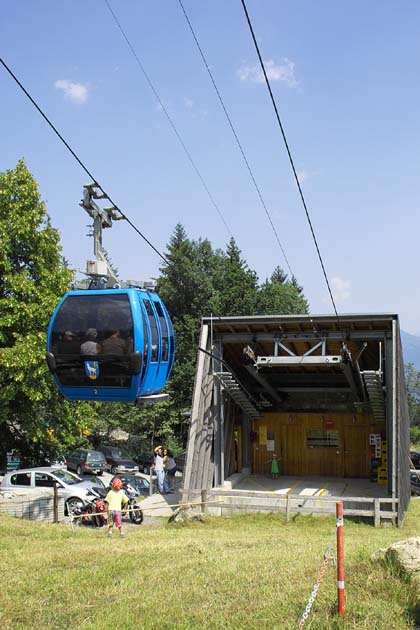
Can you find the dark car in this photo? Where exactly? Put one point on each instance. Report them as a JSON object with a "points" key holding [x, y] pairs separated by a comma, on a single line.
{"points": [[145, 461], [84, 460], [415, 459], [415, 482], [118, 461]]}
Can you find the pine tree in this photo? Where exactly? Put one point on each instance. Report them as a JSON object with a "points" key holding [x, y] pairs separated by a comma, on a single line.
{"points": [[278, 276], [236, 284]]}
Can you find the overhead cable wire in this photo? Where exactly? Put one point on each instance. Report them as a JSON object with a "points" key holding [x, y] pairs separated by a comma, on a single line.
{"points": [[79, 161], [238, 142], [168, 116], [289, 155]]}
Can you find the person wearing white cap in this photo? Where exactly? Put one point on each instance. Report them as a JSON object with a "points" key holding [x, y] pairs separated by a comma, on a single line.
{"points": [[69, 344]]}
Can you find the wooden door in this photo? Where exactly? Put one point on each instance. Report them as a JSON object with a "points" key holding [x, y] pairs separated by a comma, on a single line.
{"points": [[332, 461], [292, 447], [325, 460], [356, 451]]}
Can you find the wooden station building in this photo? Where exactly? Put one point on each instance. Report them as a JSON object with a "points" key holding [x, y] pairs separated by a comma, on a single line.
{"points": [[326, 394]]}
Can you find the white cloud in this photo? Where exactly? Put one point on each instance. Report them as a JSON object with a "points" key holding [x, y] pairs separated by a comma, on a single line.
{"points": [[188, 102], [283, 71], [76, 92], [302, 176], [340, 289]]}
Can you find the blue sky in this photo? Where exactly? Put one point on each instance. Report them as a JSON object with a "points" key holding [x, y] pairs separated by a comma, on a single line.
{"points": [[345, 77]]}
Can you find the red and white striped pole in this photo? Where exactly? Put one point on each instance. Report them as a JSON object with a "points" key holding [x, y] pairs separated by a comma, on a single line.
{"points": [[340, 559]]}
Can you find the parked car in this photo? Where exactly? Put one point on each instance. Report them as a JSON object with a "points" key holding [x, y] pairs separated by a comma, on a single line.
{"points": [[415, 459], [118, 461], [145, 461], [74, 493], [84, 460], [93, 482], [415, 482]]}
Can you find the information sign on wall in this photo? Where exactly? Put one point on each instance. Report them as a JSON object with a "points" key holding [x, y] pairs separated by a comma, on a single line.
{"points": [[262, 438]]}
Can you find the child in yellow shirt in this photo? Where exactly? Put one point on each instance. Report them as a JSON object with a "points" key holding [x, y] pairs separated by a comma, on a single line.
{"points": [[116, 499]]}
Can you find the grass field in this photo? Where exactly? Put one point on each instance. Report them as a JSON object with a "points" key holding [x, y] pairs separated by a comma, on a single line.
{"points": [[252, 571]]}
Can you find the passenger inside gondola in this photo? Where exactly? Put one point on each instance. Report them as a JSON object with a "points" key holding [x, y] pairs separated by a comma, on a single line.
{"points": [[90, 346], [114, 344], [69, 344]]}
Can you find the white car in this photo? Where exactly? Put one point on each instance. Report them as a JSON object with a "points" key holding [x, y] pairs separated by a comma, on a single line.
{"points": [[30, 480]]}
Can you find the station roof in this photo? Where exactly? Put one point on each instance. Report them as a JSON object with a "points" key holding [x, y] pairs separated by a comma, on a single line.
{"points": [[291, 364]]}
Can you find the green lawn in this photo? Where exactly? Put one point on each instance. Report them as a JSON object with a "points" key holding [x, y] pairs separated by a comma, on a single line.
{"points": [[243, 572]]}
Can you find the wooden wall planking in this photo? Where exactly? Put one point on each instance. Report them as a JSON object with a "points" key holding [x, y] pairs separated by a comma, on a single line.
{"points": [[350, 459]]}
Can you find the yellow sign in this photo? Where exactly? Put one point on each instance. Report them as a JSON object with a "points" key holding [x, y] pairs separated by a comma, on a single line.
{"points": [[262, 431]]}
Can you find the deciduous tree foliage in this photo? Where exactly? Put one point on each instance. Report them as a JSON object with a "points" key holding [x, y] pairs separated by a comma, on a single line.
{"points": [[33, 277]]}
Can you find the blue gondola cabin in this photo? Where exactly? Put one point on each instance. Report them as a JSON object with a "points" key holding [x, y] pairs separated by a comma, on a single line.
{"points": [[110, 345]]}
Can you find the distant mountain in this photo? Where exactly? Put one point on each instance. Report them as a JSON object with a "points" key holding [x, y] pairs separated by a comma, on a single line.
{"points": [[411, 349]]}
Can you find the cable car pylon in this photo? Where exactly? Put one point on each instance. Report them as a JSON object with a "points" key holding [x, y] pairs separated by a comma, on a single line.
{"points": [[99, 270]]}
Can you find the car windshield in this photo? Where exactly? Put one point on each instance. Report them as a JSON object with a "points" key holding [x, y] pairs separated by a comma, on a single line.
{"points": [[138, 483], [119, 454], [66, 477], [95, 456], [93, 481]]}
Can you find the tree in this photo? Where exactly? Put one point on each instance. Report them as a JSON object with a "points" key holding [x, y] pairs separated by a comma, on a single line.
{"points": [[278, 275], [185, 280], [235, 283], [33, 277], [412, 381], [274, 298]]}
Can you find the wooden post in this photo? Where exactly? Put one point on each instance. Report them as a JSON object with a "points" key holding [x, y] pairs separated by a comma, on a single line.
{"points": [[150, 481], [377, 512], [340, 559], [288, 506], [55, 502], [203, 500]]}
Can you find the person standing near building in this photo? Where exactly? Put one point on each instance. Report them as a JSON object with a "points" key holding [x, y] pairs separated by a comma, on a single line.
{"points": [[274, 466], [170, 468], [160, 471]]}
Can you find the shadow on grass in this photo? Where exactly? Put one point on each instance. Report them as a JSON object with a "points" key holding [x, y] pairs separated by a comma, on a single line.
{"points": [[414, 613]]}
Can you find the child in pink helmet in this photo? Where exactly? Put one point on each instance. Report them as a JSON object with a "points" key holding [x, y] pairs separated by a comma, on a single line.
{"points": [[116, 499]]}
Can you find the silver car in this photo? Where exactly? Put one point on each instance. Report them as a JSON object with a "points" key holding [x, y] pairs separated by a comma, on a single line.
{"points": [[70, 487]]}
